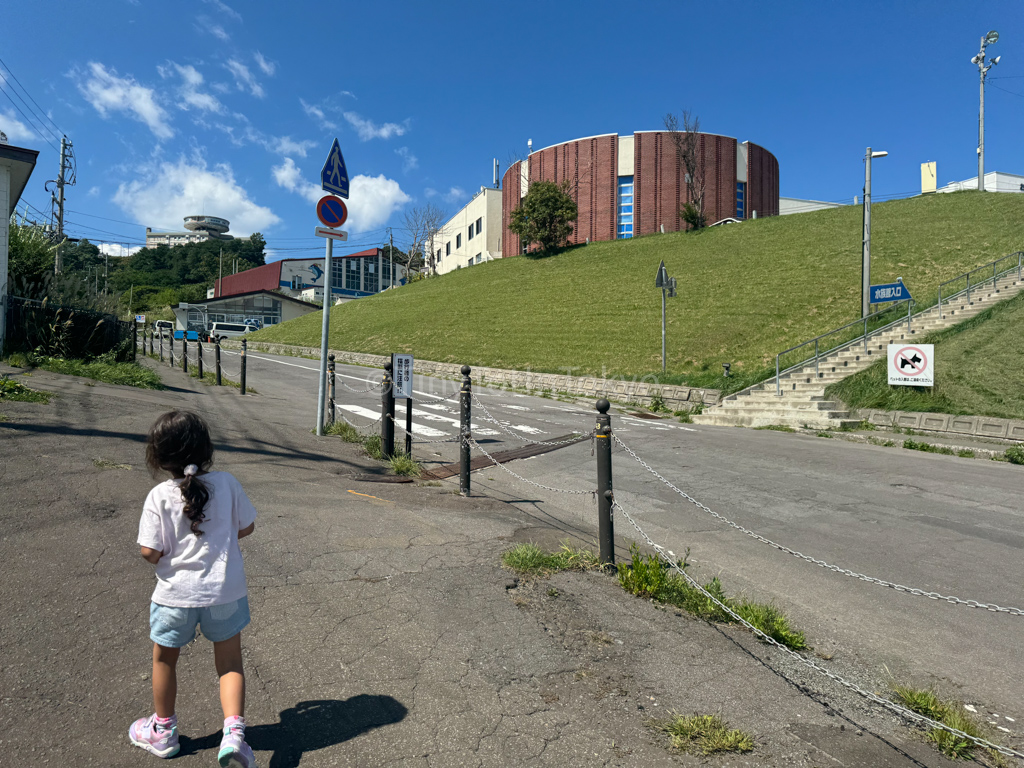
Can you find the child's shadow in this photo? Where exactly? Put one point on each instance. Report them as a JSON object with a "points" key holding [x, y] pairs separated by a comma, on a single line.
{"points": [[311, 725]]}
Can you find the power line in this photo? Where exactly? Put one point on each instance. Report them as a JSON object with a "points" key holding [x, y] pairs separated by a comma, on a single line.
{"points": [[23, 88], [31, 124]]}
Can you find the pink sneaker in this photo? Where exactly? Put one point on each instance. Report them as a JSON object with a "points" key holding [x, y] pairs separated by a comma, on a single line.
{"points": [[146, 734], [234, 752]]}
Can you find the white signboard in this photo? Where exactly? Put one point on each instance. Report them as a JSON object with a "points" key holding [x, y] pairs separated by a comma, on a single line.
{"points": [[401, 372], [912, 365], [140, 319]]}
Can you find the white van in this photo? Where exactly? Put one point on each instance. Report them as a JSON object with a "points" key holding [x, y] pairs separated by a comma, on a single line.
{"points": [[221, 331], [163, 328]]}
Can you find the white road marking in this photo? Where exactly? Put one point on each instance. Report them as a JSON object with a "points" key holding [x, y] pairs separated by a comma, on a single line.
{"points": [[477, 429], [517, 407], [418, 429]]}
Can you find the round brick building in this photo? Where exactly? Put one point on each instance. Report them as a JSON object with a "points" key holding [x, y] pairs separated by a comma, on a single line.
{"points": [[635, 185]]}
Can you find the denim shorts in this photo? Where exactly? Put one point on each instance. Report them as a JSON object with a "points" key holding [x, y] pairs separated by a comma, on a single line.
{"points": [[176, 627]]}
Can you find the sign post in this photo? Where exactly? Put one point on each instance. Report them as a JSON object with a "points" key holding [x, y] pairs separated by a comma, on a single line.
{"points": [[333, 178], [668, 288]]}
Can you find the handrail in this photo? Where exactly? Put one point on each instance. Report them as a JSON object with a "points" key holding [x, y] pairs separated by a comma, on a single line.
{"points": [[996, 274]]}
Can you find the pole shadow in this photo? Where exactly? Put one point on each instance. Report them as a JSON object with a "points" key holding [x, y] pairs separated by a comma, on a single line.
{"points": [[311, 725]]}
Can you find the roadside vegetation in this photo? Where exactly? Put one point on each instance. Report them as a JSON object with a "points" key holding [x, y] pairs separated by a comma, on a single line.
{"points": [[103, 369], [529, 559], [976, 371], [15, 391], [704, 734], [400, 464], [925, 701], [745, 293]]}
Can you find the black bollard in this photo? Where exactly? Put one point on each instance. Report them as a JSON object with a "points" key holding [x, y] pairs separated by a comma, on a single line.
{"points": [[171, 359], [184, 352], [199, 346], [466, 423], [242, 375], [135, 337], [605, 531], [330, 391], [387, 412], [408, 427], [161, 345], [216, 356]]}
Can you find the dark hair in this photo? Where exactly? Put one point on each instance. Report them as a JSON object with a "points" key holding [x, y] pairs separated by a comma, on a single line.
{"points": [[177, 439]]}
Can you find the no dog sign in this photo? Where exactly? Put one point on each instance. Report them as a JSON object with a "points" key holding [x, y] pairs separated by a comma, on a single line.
{"points": [[912, 365]]}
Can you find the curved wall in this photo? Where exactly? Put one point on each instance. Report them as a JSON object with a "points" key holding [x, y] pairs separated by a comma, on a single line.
{"points": [[592, 167]]}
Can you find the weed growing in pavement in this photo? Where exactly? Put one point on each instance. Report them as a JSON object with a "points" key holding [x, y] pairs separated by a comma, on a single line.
{"points": [[825, 434], [1014, 454], [106, 464], [646, 576], [706, 734], [881, 442], [684, 417], [965, 453], [406, 465], [345, 431], [374, 447], [210, 377], [917, 445], [530, 559], [862, 426], [101, 369], [928, 703], [16, 391], [777, 428], [657, 403]]}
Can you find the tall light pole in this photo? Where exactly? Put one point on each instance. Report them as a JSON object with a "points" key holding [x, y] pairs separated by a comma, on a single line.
{"points": [[865, 274], [983, 69]]}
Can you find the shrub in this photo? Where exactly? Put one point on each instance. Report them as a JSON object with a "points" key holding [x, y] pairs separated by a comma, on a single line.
{"points": [[1015, 454]]}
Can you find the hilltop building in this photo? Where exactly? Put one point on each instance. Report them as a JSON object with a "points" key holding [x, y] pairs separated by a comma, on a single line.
{"points": [[471, 236], [198, 229]]}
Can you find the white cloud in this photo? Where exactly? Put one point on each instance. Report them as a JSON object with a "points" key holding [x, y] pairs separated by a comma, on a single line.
{"points": [[367, 129], [109, 93], [116, 249], [429, 192], [409, 160], [244, 78], [285, 145], [165, 193], [219, 32], [93, 191], [268, 67], [192, 93], [14, 129], [454, 195], [318, 114], [373, 198], [225, 9]]}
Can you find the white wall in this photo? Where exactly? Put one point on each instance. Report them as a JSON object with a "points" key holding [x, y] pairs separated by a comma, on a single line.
{"points": [[626, 154], [995, 181], [788, 205], [485, 206]]}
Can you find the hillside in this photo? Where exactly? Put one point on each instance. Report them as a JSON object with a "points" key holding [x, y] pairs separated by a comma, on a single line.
{"points": [[746, 291], [977, 371]]}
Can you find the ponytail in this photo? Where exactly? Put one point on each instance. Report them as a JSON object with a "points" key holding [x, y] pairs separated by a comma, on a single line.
{"points": [[195, 494], [179, 443]]}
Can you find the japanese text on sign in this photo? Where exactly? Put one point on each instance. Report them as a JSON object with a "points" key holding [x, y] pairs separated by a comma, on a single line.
{"points": [[401, 369]]}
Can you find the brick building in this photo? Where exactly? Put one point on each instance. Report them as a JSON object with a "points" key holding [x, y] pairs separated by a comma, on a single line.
{"points": [[635, 185]]}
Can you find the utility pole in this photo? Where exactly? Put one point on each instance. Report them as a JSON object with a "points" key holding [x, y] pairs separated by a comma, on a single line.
{"points": [[391, 257], [220, 287], [983, 69], [106, 274], [865, 265]]}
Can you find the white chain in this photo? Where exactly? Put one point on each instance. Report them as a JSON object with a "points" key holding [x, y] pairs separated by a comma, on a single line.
{"points": [[365, 426], [361, 391], [810, 663], [440, 399], [488, 416], [498, 464], [822, 563], [451, 439]]}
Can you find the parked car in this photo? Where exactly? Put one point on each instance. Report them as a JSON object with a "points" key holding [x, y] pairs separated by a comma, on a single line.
{"points": [[221, 331], [163, 329]]}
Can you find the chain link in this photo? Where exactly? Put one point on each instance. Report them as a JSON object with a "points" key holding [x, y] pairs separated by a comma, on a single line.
{"points": [[361, 391], [828, 566], [809, 662], [488, 416], [364, 426], [498, 464], [440, 399]]}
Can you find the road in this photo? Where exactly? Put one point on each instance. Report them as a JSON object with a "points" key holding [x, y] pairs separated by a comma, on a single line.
{"points": [[936, 523]]}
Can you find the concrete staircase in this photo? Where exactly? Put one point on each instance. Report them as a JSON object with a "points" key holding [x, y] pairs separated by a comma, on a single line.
{"points": [[802, 401]]}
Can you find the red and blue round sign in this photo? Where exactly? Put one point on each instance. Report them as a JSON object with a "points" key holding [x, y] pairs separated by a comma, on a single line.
{"points": [[331, 211]]}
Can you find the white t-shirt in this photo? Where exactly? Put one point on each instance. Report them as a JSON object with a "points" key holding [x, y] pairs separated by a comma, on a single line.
{"points": [[197, 571]]}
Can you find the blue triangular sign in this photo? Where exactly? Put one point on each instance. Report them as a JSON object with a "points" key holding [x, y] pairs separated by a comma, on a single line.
{"points": [[334, 176]]}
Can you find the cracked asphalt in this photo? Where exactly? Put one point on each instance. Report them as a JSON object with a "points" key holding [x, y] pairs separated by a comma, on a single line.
{"points": [[384, 630]]}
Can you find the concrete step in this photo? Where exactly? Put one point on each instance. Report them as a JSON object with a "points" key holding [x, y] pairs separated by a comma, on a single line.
{"points": [[782, 404]]}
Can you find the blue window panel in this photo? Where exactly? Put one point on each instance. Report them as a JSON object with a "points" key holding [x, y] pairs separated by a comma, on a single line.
{"points": [[626, 219], [625, 209]]}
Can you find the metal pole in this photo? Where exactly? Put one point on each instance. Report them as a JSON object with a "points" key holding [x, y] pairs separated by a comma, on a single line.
{"points": [[220, 274], [161, 345], [387, 413], [865, 267], [135, 338], [981, 124], [940, 302], [466, 426], [216, 347], [408, 427], [605, 529], [663, 330], [325, 330], [241, 376], [171, 342], [199, 347], [816, 374], [778, 384], [184, 352], [330, 391], [58, 262]]}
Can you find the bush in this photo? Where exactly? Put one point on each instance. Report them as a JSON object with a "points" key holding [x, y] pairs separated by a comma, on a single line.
{"points": [[1015, 454], [18, 392]]}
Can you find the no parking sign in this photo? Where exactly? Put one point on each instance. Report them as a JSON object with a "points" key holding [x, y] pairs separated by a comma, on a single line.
{"points": [[912, 365]]}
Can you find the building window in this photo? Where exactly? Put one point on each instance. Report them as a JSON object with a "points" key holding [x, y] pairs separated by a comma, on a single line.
{"points": [[741, 194], [458, 241], [448, 248], [370, 275], [438, 254], [352, 274], [470, 262], [479, 225], [470, 237], [337, 273], [477, 257], [624, 219]]}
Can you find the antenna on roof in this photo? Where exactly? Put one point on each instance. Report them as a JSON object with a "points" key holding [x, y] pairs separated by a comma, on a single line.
{"points": [[496, 173]]}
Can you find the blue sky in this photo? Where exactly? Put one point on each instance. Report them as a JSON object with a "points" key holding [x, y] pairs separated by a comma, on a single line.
{"points": [[229, 108]]}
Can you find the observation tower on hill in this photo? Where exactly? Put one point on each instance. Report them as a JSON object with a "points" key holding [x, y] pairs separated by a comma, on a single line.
{"points": [[214, 227]]}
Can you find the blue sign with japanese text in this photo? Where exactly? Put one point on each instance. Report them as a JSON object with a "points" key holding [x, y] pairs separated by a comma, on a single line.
{"points": [[889, 292]]}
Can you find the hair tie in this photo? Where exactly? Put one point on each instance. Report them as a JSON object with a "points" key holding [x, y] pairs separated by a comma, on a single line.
{"points": [[191, 470]]}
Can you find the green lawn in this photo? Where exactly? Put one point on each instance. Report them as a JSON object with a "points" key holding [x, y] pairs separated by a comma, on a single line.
{"points": [[977, 371], [746, 292]]}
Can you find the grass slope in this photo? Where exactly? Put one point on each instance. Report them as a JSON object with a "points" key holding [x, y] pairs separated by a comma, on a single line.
{"points": [[745, 292], [977, 371]]}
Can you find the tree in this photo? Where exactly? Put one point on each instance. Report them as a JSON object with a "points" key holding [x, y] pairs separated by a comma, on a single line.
{"points": [[423, 228], [545, 215], [691, 160]]}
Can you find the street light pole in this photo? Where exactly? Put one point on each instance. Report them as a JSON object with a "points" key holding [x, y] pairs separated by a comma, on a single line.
{"points": [[865, 266], [983, 69]]}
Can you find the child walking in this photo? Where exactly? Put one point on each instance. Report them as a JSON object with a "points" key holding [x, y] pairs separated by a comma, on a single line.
{"points": [[189, 530]]}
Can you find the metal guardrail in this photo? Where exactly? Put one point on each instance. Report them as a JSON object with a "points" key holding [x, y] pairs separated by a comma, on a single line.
{"points": [[1009, 260], [871, 324]]}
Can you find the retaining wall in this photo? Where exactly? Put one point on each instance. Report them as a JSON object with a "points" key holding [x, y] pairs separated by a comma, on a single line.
{"points": [[944, 423], [676, 398]]}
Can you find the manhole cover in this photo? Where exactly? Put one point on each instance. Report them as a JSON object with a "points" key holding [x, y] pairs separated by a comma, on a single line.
{"points": [[381, 478]]}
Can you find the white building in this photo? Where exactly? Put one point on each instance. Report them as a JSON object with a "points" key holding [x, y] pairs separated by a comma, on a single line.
{"points": [[16, 164], [199, 229], [788, 205], [471, 236], [995, 181]]}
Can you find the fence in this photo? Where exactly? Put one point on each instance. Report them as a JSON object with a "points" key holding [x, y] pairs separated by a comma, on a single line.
{"points": [[603, 439], [56, 331], [191, 357]]}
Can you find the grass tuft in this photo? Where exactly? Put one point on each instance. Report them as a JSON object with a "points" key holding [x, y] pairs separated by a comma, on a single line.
{"points": [[528, 558], [1014, 454], [928, 703], [404, 464], [126, 374], [374, 447], [345, 431], [777, 428], [920, 445], [15, 391], [706, 734], [107, 464], [965, 453]]}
